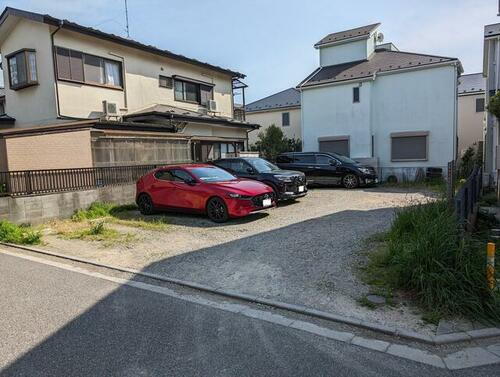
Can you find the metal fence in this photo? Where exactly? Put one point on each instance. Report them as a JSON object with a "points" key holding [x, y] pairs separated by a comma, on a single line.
{"points": [[36, 182], [467, 196]]}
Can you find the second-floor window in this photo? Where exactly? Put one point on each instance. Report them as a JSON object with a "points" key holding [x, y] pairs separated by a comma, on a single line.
{"points": [[355, 94], [285, 119], [22, 69], [479, 105], [192, 92], [89, 69]]}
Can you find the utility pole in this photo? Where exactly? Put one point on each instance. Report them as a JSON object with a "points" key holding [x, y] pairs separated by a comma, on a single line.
{"points": [[126, 17]]}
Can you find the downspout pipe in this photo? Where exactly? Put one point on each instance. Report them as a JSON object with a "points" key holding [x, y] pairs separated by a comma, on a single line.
{"points": [[56, 83]]}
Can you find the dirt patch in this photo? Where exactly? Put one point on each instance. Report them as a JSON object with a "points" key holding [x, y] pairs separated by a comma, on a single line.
{"points": [[304, 252]]}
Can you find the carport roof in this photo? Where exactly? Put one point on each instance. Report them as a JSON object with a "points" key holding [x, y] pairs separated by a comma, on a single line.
{"points": [[173, 113]]}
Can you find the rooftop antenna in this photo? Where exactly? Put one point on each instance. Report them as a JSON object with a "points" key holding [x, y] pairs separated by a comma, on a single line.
{"points": [[126, 17]]}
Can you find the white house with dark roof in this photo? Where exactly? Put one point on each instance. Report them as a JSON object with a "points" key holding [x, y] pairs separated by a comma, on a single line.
{"points": [[377, 104], [281, 109], [471, 111]]}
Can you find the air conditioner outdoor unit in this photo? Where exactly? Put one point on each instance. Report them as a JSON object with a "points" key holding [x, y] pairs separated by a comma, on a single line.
{"points": [[212, 105], [110, 108]]}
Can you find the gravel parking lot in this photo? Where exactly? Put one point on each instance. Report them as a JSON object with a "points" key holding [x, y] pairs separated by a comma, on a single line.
{"points": [[304, 252]]}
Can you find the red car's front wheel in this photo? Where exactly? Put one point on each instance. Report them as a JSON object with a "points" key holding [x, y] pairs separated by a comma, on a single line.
{"points": [[217, 210]]}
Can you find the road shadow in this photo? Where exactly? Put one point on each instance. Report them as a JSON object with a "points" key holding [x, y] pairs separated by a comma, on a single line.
{"points": [[309, 263]]}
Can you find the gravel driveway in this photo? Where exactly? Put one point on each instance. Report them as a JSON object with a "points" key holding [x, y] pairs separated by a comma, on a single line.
{"points": [[302, 252]]}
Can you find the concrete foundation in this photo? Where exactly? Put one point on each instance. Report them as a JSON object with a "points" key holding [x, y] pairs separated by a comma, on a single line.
{"points": [[38, 209]]}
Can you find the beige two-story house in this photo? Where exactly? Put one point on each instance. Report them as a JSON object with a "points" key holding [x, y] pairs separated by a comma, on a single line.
{"points": [[471, 111], [76, 97], [281, 109]]}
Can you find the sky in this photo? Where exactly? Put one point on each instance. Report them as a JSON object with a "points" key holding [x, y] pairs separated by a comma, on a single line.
{"points": [[271, 41]]}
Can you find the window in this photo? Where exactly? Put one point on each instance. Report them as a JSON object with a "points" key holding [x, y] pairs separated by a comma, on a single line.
{"points": [[239, 166], [181, 176], [304, 158], [339, 145], [85, 68], [355, 94], [284, 159], [2, 105], [479, 105], [165, 82], [285, 119], [164, 175], [192, 92], [323, 159], [410, 146], [22, 69]]}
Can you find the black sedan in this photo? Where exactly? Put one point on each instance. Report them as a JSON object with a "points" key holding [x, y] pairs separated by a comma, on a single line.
{"points": [[287, 184]]}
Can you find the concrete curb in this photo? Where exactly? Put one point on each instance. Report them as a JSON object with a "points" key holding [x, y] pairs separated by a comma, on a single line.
{"points": [[300, 309]]}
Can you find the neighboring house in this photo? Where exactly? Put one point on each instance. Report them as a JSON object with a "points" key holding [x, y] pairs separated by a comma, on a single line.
{"points": [[145, 105], [471, 111], [491, 71], [379, 105], [281, 109]]}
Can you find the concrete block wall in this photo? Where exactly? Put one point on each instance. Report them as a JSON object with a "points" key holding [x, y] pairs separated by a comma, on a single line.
{"points": [[41, 208]]}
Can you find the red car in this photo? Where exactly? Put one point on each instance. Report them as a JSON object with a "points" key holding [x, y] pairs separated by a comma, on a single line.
{"points": [[202, 188]]}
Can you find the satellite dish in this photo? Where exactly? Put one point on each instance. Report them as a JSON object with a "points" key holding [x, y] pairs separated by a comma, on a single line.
{"points": [[380, 37]]}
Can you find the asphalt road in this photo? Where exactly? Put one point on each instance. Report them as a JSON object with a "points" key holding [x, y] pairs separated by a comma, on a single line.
{"points": [[55, 322]]}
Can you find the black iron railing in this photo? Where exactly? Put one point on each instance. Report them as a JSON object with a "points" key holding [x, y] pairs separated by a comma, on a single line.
{"points": [[467, 196], [36, 182]]}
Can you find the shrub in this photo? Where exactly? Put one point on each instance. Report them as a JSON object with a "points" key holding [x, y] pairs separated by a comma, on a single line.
{"points": [[271, 142], [22, 235], [427, 256]]}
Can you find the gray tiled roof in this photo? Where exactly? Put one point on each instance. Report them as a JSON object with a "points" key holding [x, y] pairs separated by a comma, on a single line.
{"points": [[45, 18], [286, 98], [380, 61], [491, 30], [471, 83], [348, 34]]}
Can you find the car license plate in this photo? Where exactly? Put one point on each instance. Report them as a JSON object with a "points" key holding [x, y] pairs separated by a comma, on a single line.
{"points": [[266, 202], [301, 188]]}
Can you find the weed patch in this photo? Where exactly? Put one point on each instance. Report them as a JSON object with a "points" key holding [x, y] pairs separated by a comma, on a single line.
{"points": [[424, 255], [99, 232], [125, 215], [18, 234]]}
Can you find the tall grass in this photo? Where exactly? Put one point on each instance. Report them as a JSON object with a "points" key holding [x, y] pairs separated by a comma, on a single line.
{"points": [[426, 255], [18, 234]]}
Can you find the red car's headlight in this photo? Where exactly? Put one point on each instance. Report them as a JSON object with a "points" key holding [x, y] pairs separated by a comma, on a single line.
{"points": [[238, 196]]}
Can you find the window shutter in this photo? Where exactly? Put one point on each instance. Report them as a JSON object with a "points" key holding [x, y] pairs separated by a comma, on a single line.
{"points": [[409, 148], [336, 146], [63, 63]]}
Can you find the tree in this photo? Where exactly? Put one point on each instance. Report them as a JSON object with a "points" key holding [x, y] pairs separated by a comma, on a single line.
{"points": [[271, 142], [494, 105]]}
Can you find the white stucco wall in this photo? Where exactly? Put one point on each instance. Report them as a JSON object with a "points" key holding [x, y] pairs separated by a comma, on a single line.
{"points": [[342, 53], [266, 118], [329, 111], [419, 100]]}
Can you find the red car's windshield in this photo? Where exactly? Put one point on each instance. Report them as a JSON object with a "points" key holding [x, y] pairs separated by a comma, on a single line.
{"points": [[210, 174]]}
